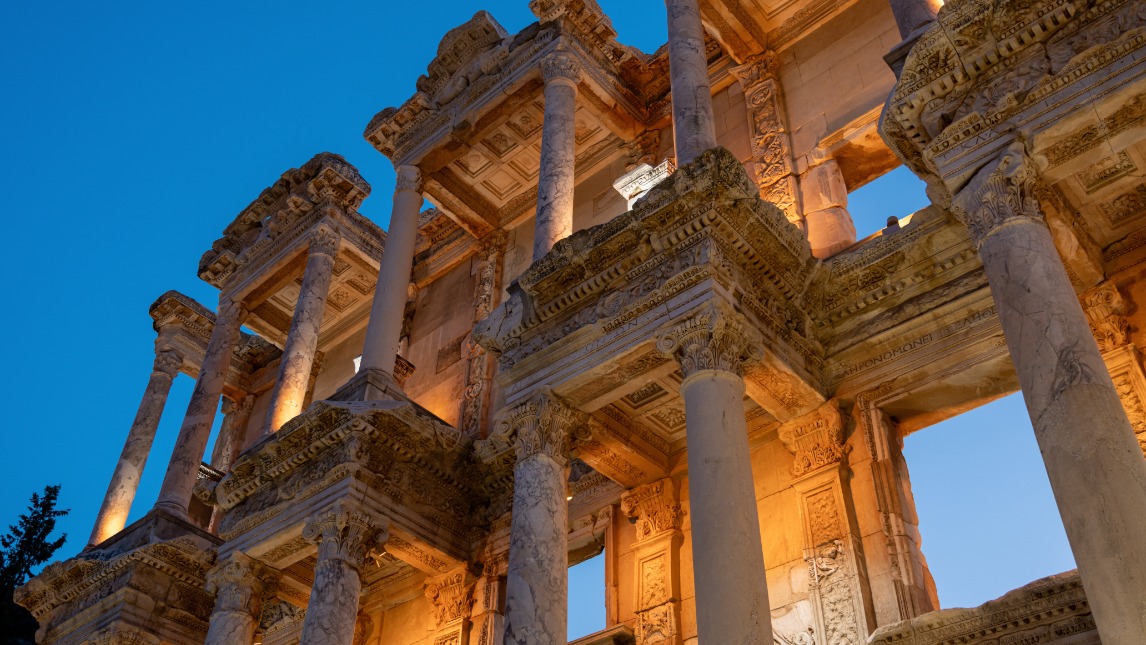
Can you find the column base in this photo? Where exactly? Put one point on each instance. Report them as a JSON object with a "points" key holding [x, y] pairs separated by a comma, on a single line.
{"points": [[371, 385]]}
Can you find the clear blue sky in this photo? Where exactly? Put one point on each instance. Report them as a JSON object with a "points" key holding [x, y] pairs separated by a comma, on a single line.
{"points": [[133, 132]]}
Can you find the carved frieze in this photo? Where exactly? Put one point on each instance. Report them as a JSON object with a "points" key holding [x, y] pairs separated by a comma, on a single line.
{"points": [[771, 144]]}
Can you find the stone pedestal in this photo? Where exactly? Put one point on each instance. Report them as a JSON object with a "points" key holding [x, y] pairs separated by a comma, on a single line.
{"points": [[239, 584], [183, 470], [537, 577], [728, 557], [558, 145], [693, 121], [345, 536], [121, 491], [1093, 461], [384, 330], [302, 339]]}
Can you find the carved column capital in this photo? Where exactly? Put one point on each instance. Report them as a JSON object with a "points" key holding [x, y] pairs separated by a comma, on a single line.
{"points": [[1105, 312], [242, 406], [239, 584], [816, 439], [757, 69], [409, 178], [167, 362], [999, 194], [543, 425], [711, 340], [451, 596], [345, 532], [324, 240], [561, 67], [654, 507]]}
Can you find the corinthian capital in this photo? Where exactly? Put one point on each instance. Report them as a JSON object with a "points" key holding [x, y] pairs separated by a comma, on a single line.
{"points": [[452, 596], [346, 533], [1004, 192], [561, 66], [654, 507], [167, 362], [543, 425], [324, 240], [711, 340], [409, 178], [239, 584], [757, 69]]}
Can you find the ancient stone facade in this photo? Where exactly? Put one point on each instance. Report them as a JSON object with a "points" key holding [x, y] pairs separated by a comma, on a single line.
{"points": [[637, 321]]}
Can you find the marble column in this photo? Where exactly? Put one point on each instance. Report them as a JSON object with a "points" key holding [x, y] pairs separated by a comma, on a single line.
{"points": [[911, 15], [728, 556], [537, 575], [238, 584], [558, 147], [191, 443], [825, 203], [384, 330], [345, 535], [693, 122], [125, 480], [302, 339], [236, 414], [1092, 459]]}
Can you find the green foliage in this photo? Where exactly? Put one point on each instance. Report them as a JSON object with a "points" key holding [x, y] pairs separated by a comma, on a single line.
{"points": [[26, 545]]}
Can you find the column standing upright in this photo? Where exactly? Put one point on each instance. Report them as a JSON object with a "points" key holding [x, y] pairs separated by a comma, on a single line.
{"points": [[1088, 446], [384, 330], [191, 443], [537, 574], [728, 555], [125, 480], [302, 339], [558, 145], [693, 122]]}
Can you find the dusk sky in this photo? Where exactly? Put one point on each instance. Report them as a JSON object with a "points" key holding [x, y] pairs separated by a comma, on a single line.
{"points": [[134, 132]]}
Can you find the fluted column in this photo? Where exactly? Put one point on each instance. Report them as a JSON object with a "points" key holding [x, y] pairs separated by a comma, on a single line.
{"points": [[693, 122], [187, 456], [239, 584], [302, 339], [125, 479], [389, 306], [1093, 461], [728, 557], [537, 576], [558, 145], [345, 535]]}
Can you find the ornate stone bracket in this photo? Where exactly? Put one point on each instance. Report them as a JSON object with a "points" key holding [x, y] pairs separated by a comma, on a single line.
{"points": [[452, 600]]}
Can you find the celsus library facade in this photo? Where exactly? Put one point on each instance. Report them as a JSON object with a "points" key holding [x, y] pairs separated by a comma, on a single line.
{"points": [[638, 322]]}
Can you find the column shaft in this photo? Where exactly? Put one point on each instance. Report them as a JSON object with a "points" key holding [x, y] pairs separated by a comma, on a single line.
{"points": [[728, 557], [183, 469], [344, 537], [238, 584], [232, 432], [910, 15], [1094, 464], [302, 339], [388, 309], [537, 574], [128, 471], [694, 126], [558, 146]]}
